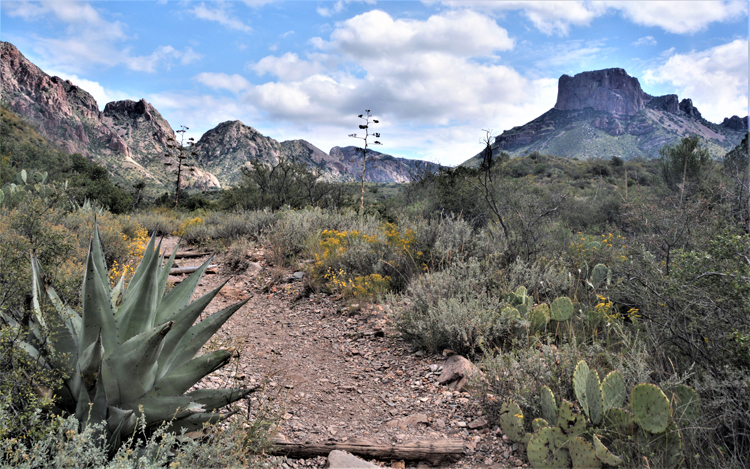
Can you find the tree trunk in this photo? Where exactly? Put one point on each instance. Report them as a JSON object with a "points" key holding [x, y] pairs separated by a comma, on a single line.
{"points": [[434, 452]]}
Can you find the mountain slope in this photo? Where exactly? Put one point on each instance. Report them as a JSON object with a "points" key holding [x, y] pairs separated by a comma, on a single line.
{"points": [[605, 113]]}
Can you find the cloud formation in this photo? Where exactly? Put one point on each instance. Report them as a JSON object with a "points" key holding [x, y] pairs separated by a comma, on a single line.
{"points": [[558, 16], [90, 40], [716, 79], [220, 13]]}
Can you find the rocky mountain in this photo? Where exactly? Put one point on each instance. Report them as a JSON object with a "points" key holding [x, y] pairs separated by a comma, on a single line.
{"points": [[381, 168], [230, 146], [129, 137], [605, 113]]}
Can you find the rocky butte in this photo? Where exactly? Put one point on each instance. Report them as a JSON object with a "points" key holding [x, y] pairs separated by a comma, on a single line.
{"points": [[606, 113]]}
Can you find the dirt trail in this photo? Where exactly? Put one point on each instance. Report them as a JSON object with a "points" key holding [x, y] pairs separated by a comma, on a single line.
{"points": [[346, 373]]}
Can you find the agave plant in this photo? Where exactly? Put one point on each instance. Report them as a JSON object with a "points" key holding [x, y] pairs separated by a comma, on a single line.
{"points": [[130, 354]]}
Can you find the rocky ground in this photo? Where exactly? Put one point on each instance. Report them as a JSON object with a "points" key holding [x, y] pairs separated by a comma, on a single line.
{"points": [[340, 373]]}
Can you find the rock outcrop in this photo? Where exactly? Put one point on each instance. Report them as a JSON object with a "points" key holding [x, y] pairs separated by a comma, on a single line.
{"points": [[381, 168], [686, 106], [65, 114], [735, 123], [611, 90], [605, 113], [141, 126]]}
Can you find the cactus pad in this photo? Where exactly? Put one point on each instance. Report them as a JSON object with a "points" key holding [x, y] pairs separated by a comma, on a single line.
{"points": [[549, 407], [620, 421], [599, 274], [686, 406], [510, 312], [561, 309], [666, 446], [537, 424], [613, 391], [580, 378], [511, 421], [594, 397], [539, 317], [650, 408], [604, 455], [544, 449], [582, 454], [571, 424]]}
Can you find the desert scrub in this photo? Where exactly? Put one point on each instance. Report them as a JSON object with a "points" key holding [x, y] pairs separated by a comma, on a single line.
{"points": [[161, 221], [585, 251], [225, 228], [457, 308], [356, 263]]}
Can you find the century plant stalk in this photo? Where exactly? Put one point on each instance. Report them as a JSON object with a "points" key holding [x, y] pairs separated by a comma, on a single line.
{"points": [[366, 126]]}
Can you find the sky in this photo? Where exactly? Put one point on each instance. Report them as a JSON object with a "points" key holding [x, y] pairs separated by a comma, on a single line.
{"points": [[435, 73]]}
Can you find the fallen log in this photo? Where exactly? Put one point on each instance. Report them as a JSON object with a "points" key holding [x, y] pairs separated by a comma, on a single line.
{"points": [[190, 270], [190, 255], [432, 451]]}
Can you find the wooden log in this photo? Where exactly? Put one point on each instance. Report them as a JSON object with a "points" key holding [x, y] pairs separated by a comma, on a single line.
{"points": [[432, 451], [190, 255], [190, 270]]}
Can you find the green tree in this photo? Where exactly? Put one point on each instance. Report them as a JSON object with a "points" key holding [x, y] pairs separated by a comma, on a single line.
{"points": [[684, 164]]}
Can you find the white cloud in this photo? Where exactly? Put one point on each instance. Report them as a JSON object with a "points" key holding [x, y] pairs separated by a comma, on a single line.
{"points": [[221, 15], [645, 41], [377, 34], [90, 40], [715, 79], [287, 67], [558, 16], [338, 7], [162, 57], [221, 81], [680, 17], [414, 74]]}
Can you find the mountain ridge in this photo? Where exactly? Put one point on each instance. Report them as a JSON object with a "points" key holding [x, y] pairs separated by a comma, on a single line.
{"points": [[605, 113]]}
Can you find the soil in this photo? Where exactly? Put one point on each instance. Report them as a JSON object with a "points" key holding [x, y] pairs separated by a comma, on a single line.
{"points": [[335, 371]]}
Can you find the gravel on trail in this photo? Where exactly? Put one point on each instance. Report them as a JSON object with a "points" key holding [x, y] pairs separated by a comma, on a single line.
{"points": [[337, 372]]}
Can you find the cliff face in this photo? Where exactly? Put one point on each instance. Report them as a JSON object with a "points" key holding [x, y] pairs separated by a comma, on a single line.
{"points": [[611, 90], [129, 137], [381, 168], [605, 113], [65, 114]]}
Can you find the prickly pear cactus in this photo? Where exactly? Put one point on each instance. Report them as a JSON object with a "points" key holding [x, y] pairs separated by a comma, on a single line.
{"points": [[549, 407], [545, 449], [561, 309], [510, 312], [604, 455], [665, 447], [613, 391], [594, 397], [620, 421], [539, 318], [536, 424], [686, 405], [511, 421], [582, 454], [580, 380], [599, 274], [650, 407], [571, 424]]}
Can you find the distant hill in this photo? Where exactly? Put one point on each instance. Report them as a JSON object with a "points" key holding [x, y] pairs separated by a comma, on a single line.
{"points": [[605, 113], [130, 137]]}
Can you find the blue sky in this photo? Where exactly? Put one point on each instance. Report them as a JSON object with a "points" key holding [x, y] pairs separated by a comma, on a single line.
{"points": [[434, 72]]}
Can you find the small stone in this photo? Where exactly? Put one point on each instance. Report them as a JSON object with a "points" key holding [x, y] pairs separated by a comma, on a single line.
{"points": [[343, 460], [439, 423], [488, 461], [479, 423], [461, 424]]}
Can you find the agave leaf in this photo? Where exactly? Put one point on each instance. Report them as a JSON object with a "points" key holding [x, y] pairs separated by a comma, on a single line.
{"points": [[98, 254], [183, 378], [161, 408], [164, 273], [195, 422], [92, 404], [90, 362], [133, 364], [70, 318], [120, 422], [212, 399], [98, 317], [148, 255], [199, 334], [180, 295], [118, 293], [183, 320], [138, 310]]}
